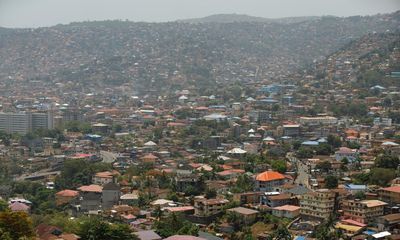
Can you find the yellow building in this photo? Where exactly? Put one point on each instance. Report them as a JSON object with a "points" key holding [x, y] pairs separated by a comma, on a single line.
{"points": [[362, 211], [317, 205]]}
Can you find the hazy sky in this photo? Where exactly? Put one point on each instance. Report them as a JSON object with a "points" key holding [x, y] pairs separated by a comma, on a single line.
{"points": [[36, 13]]}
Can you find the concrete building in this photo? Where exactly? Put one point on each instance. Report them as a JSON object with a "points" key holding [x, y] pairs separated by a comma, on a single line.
{"points": [[390, 195], [110, 195], [286, 211], [269, 180], [208, 207], [25, 122], [324, 120], [247, 215], [362, 211], [90, 197], [317, 205]]}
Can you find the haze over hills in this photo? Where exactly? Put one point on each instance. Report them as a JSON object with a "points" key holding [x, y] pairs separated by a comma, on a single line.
{"points": [[230, 18], [153, 55]]}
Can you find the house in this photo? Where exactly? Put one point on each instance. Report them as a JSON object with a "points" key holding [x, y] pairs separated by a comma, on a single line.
{"points": [[149, 158], [184, 237], [291, 130], [364, 211], [19, 207], [275, 199], [90, 197], [102, 178], [269, 180], [110, 195], [390, 195], [344, 152], [65, 196], [318, 204], [184, 209], [47, 232], [354, 188], [247, 197], [208, 207], [388, 222], [147, 235], [286, 211], [247, 215]]}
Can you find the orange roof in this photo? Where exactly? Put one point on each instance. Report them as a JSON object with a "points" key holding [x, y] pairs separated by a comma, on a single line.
{"points": [[67, 193], [289, 208], [91, 188], [392, 189], [269, 176]]}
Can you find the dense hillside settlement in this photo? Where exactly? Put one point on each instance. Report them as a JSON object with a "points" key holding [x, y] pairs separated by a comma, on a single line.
{"points": [[201, 130]]}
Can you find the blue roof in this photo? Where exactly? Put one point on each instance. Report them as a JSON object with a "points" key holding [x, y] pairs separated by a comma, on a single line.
{"points": [[300, 238], [355, 187], [369, 232], [310, 143]]}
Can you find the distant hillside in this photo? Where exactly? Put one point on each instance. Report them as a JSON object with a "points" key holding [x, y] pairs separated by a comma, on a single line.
{"points": [[231, 18], [365, 62], [176, 54]]}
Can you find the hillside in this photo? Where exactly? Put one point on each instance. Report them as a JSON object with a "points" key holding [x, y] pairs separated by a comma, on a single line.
{"points": [[231, 18], [365, 62], [154, 55]]}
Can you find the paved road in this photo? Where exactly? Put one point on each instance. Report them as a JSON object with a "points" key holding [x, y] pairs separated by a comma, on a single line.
{"points": [[108, 157], [303, 174]]}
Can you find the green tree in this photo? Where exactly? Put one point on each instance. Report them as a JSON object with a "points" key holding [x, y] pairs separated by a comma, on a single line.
{"points": [[279, 165], [244, 183], [334, 141], [18, 224], [174, 224], [282, 233], [3, 205], [324, 166], [94, 228], [381, 176], [210, 193], [331, 182], [305, 152], [387, 161]]}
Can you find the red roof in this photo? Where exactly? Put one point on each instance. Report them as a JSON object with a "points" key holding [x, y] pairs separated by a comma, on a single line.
{"points": [[67, 193], [269, 176], [392, 189], [355, 223]]}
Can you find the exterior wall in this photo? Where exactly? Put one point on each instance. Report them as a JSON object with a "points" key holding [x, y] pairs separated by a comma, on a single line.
{"points": [[360, 212], [319, 205], [101, 181], [61, 200], [23, 123], [202, 208], [269, 186], [90, 201], [389, 197], [110, 198], [285, 213]]}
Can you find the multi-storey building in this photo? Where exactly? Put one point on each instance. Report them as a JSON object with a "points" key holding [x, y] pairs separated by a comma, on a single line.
{"points": [[317, 205], [362, 211], [390, 195], [208, 207], [325, 120], [24, 122], [269, 180]]}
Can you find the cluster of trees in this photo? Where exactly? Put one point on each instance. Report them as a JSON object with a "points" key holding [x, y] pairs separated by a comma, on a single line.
{"points": [[383, 172], [349, 109], [77, 172], [173, 224]]}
